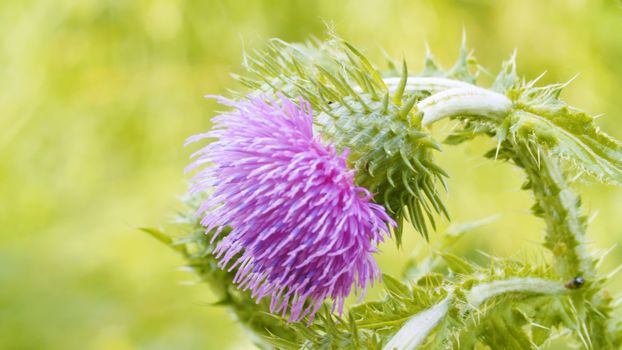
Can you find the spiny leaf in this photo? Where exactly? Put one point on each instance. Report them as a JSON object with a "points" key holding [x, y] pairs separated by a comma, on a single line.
{"points": [[457, 264], [461, 70], [162, 237], [395, 287], [431, 68], [507, 78], [572, 136]]}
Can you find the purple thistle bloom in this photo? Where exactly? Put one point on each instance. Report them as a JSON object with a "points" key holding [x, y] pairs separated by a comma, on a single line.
{"points": [[301, 231]]}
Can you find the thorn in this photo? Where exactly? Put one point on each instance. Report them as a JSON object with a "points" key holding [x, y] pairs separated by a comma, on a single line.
{"points": [[614, 272], [483, 70], [534, 81], [464, 38], [513, 56], [463, 46], [390, 61], [498, 149], [408, 106], [385, 102], [593, 217], [399, 91], [244, 53], [569, 81], [603, 255], [429, 64], [428, 52], [576, 177]]}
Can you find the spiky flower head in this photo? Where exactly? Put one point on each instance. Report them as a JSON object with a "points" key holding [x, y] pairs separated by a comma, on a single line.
{"points": [[377, 119], [301, 230]]}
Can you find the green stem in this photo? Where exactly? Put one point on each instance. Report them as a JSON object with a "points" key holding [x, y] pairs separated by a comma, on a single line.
{"points": [[559, 207], [539, 286]]}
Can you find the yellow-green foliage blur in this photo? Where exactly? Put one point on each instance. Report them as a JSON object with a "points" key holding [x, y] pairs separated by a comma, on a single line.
{"points": [[97, 97]]}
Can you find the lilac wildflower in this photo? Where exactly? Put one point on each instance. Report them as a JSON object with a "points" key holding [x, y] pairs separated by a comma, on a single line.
{"points": [[301, 230]]}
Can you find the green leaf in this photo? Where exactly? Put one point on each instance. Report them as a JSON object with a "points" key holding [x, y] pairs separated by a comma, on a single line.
{"points": [[573, 136], [457, 264], [164, 238], [395, 287]]}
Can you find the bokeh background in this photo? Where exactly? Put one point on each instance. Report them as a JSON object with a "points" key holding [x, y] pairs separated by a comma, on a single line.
{"points": [[97, 97]]}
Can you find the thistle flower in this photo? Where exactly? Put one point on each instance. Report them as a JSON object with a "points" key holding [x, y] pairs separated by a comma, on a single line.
{"points": [[301, 231], [376, 119]]}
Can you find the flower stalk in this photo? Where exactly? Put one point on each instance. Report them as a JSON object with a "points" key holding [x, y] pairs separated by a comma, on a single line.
{"points": [[464, 101]]}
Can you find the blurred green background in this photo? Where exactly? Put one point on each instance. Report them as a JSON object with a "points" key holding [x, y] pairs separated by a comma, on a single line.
{"points": [[97, 97]]}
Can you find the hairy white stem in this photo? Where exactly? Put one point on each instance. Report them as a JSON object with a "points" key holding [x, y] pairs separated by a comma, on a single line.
{"points": [[417, 329], [480, 293], [431, 84], [452, 98], [470, 101]]}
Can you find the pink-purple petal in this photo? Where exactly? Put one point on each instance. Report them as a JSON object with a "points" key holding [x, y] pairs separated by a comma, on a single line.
{"points": [[301, 230]]}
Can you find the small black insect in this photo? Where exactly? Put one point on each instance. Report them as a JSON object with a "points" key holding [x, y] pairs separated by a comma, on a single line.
{"points": [[575, 283]]}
